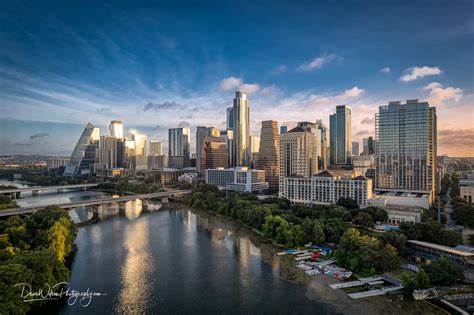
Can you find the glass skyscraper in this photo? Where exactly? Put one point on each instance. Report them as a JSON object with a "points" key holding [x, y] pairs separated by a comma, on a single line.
{"points": [[406, 147], [340, 145], [84, 154], [179, 147], [241, 127]]}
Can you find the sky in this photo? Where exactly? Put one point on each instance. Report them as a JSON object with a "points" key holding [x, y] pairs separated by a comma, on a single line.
{"points": [[157, 65]]}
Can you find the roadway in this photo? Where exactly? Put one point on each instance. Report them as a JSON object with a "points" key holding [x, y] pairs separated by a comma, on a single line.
{"points": [[28, 210]]}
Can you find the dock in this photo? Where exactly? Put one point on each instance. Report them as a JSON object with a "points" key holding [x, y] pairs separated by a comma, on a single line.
{"points": [[356, 283], [364, 294]]}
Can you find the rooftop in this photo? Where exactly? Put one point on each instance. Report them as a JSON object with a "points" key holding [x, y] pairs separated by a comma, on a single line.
{"points": [[442, 248]]}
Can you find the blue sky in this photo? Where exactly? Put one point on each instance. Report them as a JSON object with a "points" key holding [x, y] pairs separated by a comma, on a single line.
{"points": [[64, 63]]}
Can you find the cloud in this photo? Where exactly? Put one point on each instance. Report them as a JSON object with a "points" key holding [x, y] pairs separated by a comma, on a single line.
{"points": [[268, 90], [184, 124], [385, 70], [162, 106], [317, 63], [354, 92], [233, 83], [280, 69], [39, 135], [368, 121], [456, 137], [364, 108], [415, 73], [439, 94], [362, 133]]}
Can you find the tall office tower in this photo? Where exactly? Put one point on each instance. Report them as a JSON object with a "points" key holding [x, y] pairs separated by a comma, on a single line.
{"points": [[241, 127], [116, 129], [355, 148], [179, 154], [156, 148], [298, 154], [406, 147], [323, 160], [139, 160], [269, 153], [108, 151], [201, 133], [84, 154], [228, 135], [368, 146], [214, 154], [340, 137], [254, 149], [283, 129], [121, 153], [230, 118]]}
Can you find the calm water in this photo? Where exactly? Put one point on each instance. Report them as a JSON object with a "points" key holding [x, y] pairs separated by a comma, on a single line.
{"points": [[174, 261]]}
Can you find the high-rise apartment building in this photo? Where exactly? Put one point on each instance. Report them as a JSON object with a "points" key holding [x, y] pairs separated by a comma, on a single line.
{"points": [[269, 152], [201, 133], [355, 148], [214, 154], [138, 157], [156, 147], [297, 154], [312, 127], [179, 155], [283, 129], [84, 154], [116, 129], [241, 128], [254, 148], [323, 158], [406, 148], [340, 136], [230, 118]]}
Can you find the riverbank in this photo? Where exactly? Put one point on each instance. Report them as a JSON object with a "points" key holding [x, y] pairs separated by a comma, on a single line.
{"points": [[318, 288]]}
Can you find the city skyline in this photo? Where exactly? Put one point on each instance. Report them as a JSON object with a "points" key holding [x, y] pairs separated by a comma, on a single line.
{"points": [[295, 70]]}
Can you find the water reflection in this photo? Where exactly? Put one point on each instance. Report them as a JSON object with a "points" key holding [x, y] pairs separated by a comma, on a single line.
{"points": [[136, 280]]}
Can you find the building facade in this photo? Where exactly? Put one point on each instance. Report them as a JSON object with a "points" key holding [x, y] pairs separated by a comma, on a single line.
{"points": [[241, 128], [326, 188], [239, 179], [108, 151], [228, 136], [116, 129], [213, 154], [406, 148], [179, 155], [340, 136], [201, 133], [269, 152], [56, 162], [84, 155], [156, 147], [323, 158], [368, 146]]}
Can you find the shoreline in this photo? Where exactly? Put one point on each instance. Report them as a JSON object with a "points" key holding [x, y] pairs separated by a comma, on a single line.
{"points": [[317, 286]]}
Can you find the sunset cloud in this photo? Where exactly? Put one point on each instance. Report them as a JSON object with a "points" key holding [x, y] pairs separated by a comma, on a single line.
{"points": [[439, 94], [415, 73]]}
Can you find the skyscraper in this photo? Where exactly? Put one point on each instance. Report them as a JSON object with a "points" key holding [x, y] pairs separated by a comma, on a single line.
{"points": [[283, 129], [269, 152], [230, 118], [323, 159], [355, 148], [406, 147], [84, 154], [254, 148], [201, 133], [241, 127], [179, 155], [368, 146], [228, 135], [116, 129], [108, 151], [340, 136], [139, 159], [214, 154], [297, 154]]}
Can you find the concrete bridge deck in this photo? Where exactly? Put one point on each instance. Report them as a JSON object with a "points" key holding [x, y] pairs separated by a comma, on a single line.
{"points": [[42, 188], [28, 210]]}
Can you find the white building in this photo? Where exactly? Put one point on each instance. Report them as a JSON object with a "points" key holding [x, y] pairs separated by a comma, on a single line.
{"points": [[239, 179], [326, 188], [57, 162]]}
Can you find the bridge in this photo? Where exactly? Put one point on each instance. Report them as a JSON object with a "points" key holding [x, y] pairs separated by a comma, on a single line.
{"points": [[95, 202], [36, 189]]}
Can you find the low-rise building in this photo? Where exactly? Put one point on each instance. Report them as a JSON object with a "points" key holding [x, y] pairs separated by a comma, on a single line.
{"points": [[326, 188], [466, 189], [166, 175], [239, 179], [400, 199], [399, 215], [56, 162], [424, 252]]}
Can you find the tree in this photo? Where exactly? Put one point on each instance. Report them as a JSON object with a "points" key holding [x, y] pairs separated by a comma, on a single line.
{"points": [[364, 220], [348, 203], [416, 282], [443, 272]]}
